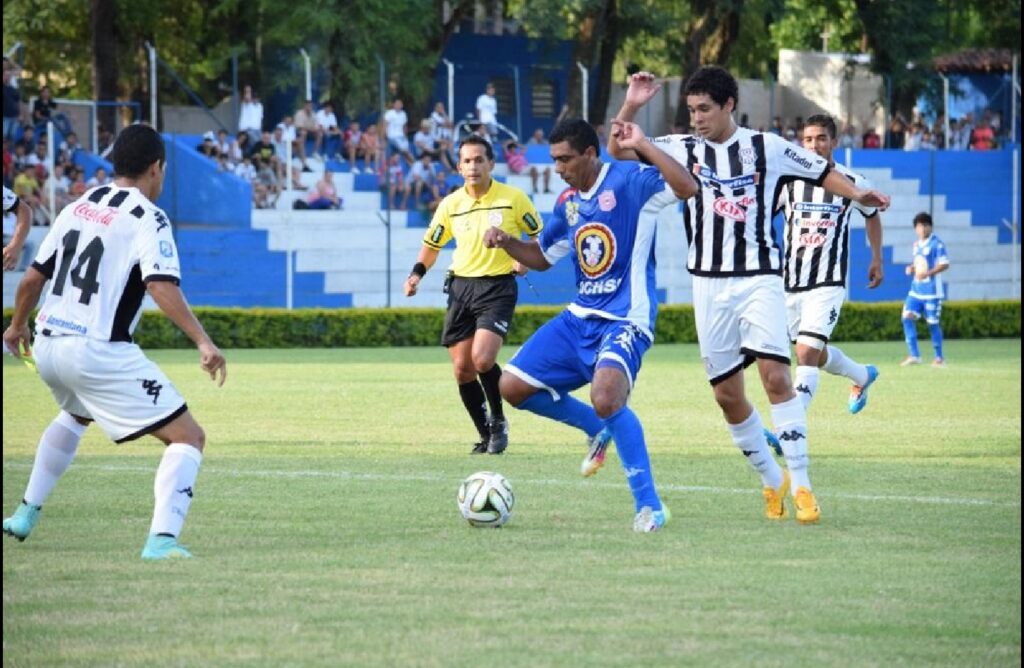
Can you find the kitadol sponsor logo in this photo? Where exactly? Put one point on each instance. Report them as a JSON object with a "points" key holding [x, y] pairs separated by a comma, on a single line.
{"points": [[798, 159]]}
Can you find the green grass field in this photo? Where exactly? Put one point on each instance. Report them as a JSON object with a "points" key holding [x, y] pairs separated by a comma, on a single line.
{"points": [[326, 532]]}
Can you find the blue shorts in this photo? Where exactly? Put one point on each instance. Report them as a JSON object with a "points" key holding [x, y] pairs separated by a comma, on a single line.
{"points": [[931, 309], [562, 355]]}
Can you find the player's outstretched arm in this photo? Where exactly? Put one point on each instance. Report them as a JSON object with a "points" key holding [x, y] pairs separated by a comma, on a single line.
{"points": [[874, 230], [632, 138], [527, 253], [424, 261], [17, 337], [13, 249], [171, 301], [837, 184], [642, 88]]}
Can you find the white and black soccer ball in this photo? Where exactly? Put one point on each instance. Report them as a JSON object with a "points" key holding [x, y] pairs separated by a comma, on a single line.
{"points": [[485, 499]]}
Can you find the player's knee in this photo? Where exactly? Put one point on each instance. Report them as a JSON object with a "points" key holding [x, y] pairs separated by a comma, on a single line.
{"points": [[513, 390], [483, 362], [909, 316], [727, 398], [464, 371], [606, 401]]}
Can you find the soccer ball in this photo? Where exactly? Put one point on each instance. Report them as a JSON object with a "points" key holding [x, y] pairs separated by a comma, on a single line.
{"points": [[485, 499]]}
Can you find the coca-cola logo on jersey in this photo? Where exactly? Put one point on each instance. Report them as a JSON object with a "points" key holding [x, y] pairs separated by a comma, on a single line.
{"points": [[104, 216], [734, 210]]}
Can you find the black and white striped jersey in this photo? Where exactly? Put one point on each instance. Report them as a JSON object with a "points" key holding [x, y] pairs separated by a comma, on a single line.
{"points": [[729, 221], [99, 254], [818, 233]]}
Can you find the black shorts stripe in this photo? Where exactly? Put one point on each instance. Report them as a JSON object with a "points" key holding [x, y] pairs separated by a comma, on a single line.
{"points": [[162, 422], [747, 361], [782, 359]]}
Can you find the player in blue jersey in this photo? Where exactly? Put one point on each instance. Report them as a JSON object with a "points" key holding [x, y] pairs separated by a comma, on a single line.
{"points": [[606, 222], [926, 290]]}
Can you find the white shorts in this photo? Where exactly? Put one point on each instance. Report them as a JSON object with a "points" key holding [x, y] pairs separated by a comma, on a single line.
{"points": [[114, 384], [814, 312], [739, 319]]}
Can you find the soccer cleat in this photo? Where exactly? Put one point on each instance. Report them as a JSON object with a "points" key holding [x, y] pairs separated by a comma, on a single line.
{"points": [[597, 448], [480, 448], [859, 394], [20, 524], [911, 361], [774, 499], [648, 519], [159, 546], [773, 442], [939, 363], [499, 436], [807, 510]]}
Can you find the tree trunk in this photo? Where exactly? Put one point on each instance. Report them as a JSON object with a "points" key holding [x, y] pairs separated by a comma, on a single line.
{"points": [[610, 42], [103, 27], [713, 29]]}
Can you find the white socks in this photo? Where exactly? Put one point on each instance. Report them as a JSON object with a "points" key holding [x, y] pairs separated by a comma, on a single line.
{"points": [[806, 384], [749, 438], [57, 448], [175, 479], [790, 421], [839, 364]]}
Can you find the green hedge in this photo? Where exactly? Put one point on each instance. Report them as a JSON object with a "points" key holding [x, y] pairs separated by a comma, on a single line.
{"points": [[339, 328]]}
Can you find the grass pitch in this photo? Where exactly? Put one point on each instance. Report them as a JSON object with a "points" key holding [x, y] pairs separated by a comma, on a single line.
{"points": [[326, 532]]}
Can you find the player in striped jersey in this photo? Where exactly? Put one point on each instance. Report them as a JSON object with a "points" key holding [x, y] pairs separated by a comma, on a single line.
{"points": [[102, 255], [735, 260], [816, 262]]}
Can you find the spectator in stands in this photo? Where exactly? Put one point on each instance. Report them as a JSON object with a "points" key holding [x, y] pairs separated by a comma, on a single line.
{"points": [[264, 148], [422, 178], [245, 170], [12, 101], [372, 152], [104, 142], [515, 158], [329, 135], [28, 138], [395, 121], [207, 146], [69, 147], [537, 137], [26, 186], [912, 138], [443, 132], [239, 149], [38, 156], [223, 165], [99, 178], [928, 141], [964, 131], [995, 119], [20, 157], [42, 110], [266, 187], [895, 137], [777, 127], [250, 114], [848, 138], [78, 186], [324, 194], [280, 152], [392, 176], [487, 110], [871, 139], [352, 143], [982, 136], [305, 125], [423, 141], [222, 145]]}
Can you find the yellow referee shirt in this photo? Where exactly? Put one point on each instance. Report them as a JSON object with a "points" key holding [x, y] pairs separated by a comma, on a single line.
{"points": [[464, 218]]}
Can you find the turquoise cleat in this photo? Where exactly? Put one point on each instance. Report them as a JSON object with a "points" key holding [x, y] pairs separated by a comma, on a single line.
{"points": [[773, 442], [858, 394], [160, 547], [21, 523], [648, 519]]}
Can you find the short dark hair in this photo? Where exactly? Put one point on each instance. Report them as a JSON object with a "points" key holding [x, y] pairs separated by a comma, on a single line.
{"points": [[479, 141], [923, 218], [716, 83], [823, 121], [135, 149], [580, 135]]}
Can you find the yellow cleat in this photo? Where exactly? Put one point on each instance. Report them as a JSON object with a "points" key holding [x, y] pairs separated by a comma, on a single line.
{"points": [[807, 510], [774, 499]]}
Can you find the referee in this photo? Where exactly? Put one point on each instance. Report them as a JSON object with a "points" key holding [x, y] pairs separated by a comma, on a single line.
{"points": [[481, 283]]}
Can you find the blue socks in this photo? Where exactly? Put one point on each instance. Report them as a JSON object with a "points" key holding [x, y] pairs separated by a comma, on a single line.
{"points": [[568, 410], [910, 334], [936, 332], [629, 441]]}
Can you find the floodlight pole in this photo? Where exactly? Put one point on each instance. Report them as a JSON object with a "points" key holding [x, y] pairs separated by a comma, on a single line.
{"points": [[289, 286], [1014, 97], [387, 187], [945, 109], [585, 86], [309, 75], [152, 85], [450, 66], [519, 113], [51, 182]]}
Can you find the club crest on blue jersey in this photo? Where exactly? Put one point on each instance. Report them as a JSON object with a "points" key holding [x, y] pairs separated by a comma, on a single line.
{"points": [[595, 248], [572, 213]]}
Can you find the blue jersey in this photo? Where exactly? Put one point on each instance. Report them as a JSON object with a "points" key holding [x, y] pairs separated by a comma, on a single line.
{"points": [[609, 233], [929, 254]]}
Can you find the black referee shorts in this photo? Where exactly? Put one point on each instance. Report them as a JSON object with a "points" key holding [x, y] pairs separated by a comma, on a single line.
{"points": [[479, 303]]}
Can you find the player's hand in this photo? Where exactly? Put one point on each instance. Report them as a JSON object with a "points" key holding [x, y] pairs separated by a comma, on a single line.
{"points": [[909, 270], [518, 268], [411, 285], [874, 198], [629, 135], [18, 340], [495, 237], [875, 274], [212, 361], [642, 87], [11, 254]]}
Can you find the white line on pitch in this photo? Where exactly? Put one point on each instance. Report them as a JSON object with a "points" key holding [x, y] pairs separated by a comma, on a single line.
{"points": [[351, 475]]}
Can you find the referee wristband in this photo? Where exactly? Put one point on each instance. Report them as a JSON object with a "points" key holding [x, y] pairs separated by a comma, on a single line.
{"points": [[419, 269]]}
